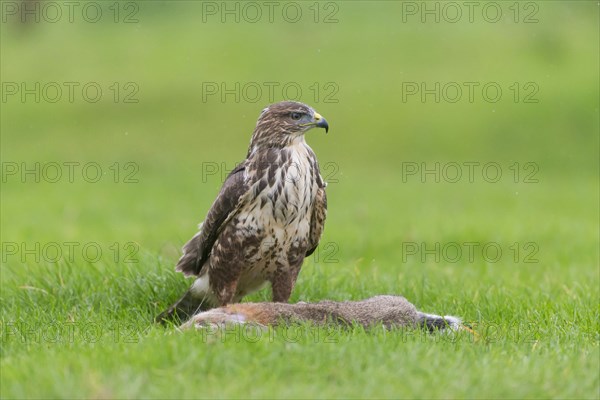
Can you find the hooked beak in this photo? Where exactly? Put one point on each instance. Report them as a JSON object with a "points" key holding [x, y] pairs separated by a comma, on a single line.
{"points": [[320, 122]]}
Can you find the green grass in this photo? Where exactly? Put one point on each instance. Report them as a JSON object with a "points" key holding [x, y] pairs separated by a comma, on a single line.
{"points": [[81, 327]]}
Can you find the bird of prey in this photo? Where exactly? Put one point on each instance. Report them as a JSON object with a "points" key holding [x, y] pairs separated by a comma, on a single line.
{"points": [[268, 216]]}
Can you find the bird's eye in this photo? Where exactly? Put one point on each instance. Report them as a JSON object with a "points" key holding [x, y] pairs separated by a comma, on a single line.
{"points": [[295, 116]]}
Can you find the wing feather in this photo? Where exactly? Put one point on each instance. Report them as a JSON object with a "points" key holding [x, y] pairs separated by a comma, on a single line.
{"points": [[197, 250], [317, 221]]}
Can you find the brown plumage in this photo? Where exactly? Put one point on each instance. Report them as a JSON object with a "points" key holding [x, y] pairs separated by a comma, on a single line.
{"points": [[268, 216]]}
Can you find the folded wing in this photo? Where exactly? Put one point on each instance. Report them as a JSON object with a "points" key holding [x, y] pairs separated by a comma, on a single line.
{"points": [[197, 251]]}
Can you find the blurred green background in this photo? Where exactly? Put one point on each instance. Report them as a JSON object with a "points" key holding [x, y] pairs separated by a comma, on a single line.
{"points": [[362, 56], [368, 54]]}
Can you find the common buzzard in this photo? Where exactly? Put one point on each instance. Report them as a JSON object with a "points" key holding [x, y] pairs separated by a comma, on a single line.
{"points": [[268, 216]]}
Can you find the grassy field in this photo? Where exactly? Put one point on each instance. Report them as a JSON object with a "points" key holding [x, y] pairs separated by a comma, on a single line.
{"points": [[98, 196]]}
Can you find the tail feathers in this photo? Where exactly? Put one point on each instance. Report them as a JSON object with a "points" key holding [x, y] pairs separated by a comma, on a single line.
{"points": [[191, 260], [183, 309], [438, 323]]}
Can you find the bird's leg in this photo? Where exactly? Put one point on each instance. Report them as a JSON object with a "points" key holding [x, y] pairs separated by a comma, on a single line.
{"points": [[226, 265], [282, 290], [286, 273], [283, 283], [226, 292]]}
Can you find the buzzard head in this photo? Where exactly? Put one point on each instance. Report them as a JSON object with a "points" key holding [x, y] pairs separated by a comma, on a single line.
{"points": [[282, 124]]}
